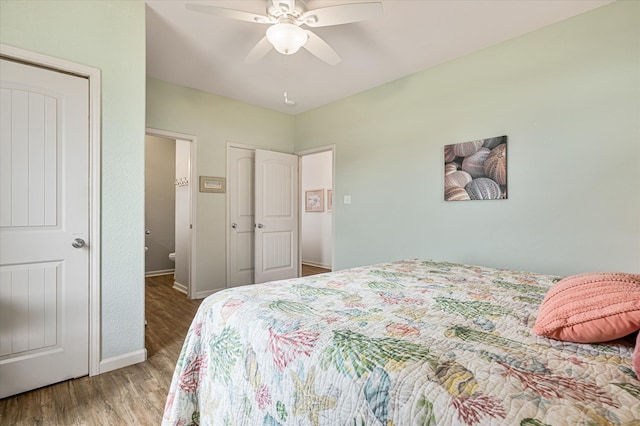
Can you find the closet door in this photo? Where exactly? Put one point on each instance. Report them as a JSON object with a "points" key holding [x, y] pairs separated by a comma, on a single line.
{"points": [[241, 163], [276, 216], [44, 227]]}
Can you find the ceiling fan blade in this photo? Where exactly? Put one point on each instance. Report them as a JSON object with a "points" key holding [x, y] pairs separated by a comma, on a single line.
{"points": [[238, 15], [318, 47], [259, 50], [341, 14]]}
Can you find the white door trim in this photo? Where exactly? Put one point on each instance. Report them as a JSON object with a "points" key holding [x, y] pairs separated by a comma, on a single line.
{"points": [[301, 154], [193, 178], [95, 84]]}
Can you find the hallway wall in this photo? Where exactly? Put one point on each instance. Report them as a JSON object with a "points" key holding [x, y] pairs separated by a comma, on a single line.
{"points": [[214, 121]]}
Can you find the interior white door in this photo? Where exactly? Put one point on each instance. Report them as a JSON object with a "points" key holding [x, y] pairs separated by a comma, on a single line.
{"points": [[44, 209], [276, 216], [240, 269]]}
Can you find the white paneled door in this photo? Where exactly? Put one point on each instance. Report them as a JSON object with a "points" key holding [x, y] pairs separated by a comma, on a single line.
{"points": [[276, 216], [263, 216], [44, 227], [241, 164]]}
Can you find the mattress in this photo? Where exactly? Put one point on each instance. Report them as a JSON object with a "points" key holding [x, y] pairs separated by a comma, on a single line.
{"points": [[404, 343]]}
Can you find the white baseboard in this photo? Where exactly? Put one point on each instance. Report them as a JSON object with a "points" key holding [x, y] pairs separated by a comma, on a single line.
{"points": [[203, 294], [160, 272], [317, 265], [180, 287], [123, 360]]}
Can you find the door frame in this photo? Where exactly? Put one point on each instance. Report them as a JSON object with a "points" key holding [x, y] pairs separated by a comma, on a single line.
{"points": [[193, 197], [93, 75], [301, 154]]}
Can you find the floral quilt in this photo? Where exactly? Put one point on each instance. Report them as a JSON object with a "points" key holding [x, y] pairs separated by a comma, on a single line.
{"points": [[404, 343]]}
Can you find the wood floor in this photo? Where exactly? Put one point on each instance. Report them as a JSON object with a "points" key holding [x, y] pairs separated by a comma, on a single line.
{"points": [[133, 395], [312, 270], [130, 395]]}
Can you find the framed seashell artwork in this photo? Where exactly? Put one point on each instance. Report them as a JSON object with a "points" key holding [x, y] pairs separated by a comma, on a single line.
{"points": [[476, 170]]}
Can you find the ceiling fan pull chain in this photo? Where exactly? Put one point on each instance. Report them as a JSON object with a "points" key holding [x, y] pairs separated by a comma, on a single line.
{"points": [[285, 74]]}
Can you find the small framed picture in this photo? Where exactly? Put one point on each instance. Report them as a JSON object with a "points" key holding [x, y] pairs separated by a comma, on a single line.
{"points": [[212, 184], [314, 200], [329, 200]]}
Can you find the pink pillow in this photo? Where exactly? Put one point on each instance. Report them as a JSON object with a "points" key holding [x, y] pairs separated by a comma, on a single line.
{"points": [[591, 308]]}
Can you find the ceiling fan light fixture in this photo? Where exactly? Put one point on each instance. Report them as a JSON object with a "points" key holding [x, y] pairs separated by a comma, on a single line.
{"points": [[286, 38]]}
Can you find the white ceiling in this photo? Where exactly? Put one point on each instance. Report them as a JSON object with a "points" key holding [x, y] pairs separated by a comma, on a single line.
{"points": [[207, 52]]}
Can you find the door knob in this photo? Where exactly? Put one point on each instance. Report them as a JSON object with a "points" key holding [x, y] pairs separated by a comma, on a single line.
{"points": [[260, 225], [234, 225], [78, 243]]}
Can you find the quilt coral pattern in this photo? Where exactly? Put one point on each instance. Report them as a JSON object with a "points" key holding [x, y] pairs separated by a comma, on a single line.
{"points": [[405, 343]]}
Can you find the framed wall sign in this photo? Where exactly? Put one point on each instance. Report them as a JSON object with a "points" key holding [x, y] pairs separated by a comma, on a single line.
{"points": [[212, 184]]}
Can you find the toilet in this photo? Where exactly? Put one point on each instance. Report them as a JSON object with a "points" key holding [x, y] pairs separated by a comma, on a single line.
{"points": [[172, 256]]}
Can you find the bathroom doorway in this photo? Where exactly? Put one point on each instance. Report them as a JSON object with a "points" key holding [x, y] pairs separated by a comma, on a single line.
{"points": [[169, 227]]}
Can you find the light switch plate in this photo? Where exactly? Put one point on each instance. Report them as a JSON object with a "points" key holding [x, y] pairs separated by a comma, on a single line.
{"points": [[347, 199]]}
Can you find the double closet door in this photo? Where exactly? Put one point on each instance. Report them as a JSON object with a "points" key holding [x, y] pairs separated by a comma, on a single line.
{"points": [[263, 216]]}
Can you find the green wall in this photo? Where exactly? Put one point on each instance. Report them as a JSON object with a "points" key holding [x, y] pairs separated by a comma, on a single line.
{"points": [[567, 96], [109, 35], [214, 120]]}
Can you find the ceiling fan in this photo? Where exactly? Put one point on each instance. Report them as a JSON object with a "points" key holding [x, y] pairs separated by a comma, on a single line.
{"points": [[286, 18]]}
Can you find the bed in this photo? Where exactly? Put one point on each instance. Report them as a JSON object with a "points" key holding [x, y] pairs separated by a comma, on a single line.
{"points": [[404, 343]]}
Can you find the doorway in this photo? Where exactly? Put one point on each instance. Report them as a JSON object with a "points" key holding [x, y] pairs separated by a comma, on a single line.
{"points": [[170, 184], [316, 222]]}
